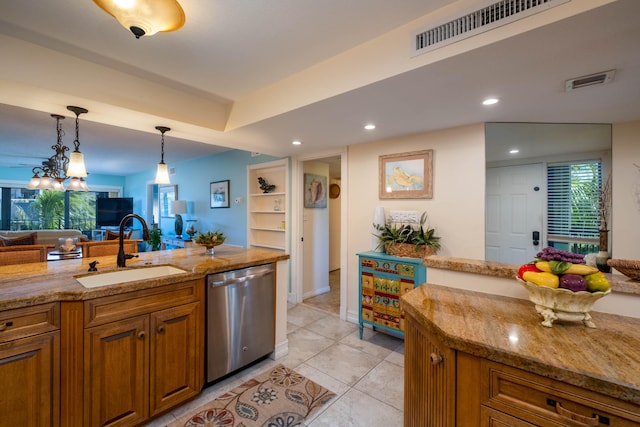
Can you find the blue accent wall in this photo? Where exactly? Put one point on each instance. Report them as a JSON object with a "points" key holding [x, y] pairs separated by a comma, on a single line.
{"points": [[193, 178]]}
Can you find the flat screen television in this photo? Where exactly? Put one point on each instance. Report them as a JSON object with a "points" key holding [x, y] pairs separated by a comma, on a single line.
{"points": [[111, 210]]}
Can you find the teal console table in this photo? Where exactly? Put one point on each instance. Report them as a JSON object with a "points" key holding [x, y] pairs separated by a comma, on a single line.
{"points": [[383, 280]]}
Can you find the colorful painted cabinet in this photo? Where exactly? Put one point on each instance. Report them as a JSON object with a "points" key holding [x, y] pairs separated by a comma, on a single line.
{"points": [[383, 280]]}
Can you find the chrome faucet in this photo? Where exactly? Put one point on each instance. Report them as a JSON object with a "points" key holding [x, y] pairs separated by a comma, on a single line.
{"points": [[122, 257]]}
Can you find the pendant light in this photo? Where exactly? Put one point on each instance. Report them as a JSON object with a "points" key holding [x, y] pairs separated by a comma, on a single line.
{"points": [[162, 175], [76, 167], [145, 17]]}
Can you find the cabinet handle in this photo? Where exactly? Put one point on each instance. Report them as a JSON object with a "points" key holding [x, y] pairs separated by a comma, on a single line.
{"points": [[435, 358], [5, 325], [576, 418], [141, 335], [160, 329]]}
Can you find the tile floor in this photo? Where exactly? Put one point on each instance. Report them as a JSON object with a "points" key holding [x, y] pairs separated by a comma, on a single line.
{"points": [[329, 301], [366, 375]]}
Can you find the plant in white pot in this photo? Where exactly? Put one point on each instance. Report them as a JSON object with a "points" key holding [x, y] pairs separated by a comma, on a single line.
{"points": [[407, 240]]}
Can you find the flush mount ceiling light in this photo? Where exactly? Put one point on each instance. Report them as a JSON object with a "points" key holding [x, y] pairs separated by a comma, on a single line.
{"points": [[370, 126], [145, 17], [58, 168], [296, 142], [162, 174]]}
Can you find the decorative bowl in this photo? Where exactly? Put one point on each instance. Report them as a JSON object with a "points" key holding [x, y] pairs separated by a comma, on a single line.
{"points": [[562, 304], [210, 246], [629, 268]]}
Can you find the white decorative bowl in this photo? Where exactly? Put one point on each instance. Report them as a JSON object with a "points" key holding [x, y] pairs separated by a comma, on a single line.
{"points": [[562, 304]]}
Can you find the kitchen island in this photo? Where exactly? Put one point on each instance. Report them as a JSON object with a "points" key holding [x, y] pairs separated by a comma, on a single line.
{"points": [[474, 358], [60, 342]]}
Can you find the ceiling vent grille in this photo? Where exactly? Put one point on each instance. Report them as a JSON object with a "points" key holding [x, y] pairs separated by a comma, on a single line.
{"points": [[478, 21], [590, 80]]}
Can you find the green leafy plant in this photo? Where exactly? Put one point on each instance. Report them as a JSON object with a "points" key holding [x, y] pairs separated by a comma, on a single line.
{"points": [[155, 241], [419, 235]]}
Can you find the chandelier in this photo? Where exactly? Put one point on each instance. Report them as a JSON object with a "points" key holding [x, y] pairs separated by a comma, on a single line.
{"points": [[59, 168], [145, 17]]}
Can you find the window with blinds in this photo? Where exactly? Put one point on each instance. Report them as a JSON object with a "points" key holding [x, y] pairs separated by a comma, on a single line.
{"points": [[572, 201]]}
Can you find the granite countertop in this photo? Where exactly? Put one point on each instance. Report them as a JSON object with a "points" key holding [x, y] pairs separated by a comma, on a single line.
{"points": [[24, 285], [509, 331], [619, 282]]}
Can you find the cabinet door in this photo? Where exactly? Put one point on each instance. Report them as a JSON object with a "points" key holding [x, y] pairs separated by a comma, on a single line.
{"points": [[30, 381], [429, 380], [116, 384], [176, 368]]}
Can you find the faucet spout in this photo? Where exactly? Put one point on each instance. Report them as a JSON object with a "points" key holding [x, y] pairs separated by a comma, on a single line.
{"points": [[122, 258]]}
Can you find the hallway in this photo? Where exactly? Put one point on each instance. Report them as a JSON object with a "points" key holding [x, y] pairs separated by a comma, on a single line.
{"points": [[329, 301]]}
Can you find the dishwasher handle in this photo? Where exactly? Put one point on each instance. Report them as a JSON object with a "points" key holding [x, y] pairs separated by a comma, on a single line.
{"points": [[235, 280]]}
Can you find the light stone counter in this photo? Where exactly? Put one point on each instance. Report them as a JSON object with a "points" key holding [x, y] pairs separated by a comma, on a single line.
{"points": [[30, 284], [508, 330], [619, 282]]}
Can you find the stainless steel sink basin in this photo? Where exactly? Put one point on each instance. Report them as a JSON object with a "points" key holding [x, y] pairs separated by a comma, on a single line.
{"points": [[129, 275]]}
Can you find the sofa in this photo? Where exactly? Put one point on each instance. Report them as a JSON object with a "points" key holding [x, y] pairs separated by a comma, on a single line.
{"points": [[43, 237]]}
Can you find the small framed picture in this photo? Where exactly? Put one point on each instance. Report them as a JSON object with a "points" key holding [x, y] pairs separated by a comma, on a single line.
{"points": [[219, 194]]}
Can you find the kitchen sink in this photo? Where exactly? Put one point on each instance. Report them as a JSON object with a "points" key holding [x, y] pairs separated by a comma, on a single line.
{"points": [[128, 275]]}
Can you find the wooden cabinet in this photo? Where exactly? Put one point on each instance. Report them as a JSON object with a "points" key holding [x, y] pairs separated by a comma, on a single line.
{"points": [[267, 212], [543, 401], [444, 387], [383, 279], [142, 354], [30, 366]]}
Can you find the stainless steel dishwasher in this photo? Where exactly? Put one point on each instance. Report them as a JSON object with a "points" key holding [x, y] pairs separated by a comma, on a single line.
{"points": [[240, 318]]}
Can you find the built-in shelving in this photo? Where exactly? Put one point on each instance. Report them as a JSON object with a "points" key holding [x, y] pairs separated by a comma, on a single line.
{"points": [[266, 212]]}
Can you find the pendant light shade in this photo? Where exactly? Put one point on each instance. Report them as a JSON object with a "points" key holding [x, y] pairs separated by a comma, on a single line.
{"points": [[76, 166], [145, 17], [162, 174]]}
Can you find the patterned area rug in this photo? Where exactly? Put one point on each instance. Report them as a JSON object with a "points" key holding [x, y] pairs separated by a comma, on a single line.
{"points": [[279, 397]]}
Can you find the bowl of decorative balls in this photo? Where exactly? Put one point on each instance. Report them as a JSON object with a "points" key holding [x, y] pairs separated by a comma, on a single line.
{"points": [[562, 286], [210, 240]]}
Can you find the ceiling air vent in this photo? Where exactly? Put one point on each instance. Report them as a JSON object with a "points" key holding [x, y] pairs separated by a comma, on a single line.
{"points": [[478, 21], [590, 80]]}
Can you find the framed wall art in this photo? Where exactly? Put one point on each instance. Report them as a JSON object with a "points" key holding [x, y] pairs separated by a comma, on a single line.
{"points": [[406, 175], [166, 194], [315, 191], [219, 194]]}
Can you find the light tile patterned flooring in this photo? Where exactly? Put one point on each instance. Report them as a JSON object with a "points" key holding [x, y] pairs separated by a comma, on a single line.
{"points": [[367, 375]]}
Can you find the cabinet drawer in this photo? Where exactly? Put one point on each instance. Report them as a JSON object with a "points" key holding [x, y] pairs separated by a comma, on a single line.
{"points": [[112, 308], [28, 321], [547, 402], [493, 418]]}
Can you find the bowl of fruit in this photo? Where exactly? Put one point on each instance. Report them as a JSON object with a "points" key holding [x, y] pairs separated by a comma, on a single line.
{"points": [[210, 240], [562, 286]]}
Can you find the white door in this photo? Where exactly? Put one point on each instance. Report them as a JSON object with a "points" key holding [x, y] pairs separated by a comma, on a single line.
{"points": [[514, 211]]}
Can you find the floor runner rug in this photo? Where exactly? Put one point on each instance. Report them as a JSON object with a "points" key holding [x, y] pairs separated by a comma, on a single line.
{"points": [[278, 397]]}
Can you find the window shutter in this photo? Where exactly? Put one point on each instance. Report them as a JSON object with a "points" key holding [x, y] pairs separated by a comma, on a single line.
{"points": [[572, 201]]}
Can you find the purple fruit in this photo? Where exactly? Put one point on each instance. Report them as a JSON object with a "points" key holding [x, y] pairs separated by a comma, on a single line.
{"points": [[573, 282]]}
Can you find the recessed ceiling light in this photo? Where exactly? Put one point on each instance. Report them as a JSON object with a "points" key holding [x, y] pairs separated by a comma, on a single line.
{"points": [[514, 151], [370, 126], [296, 142], [490, 101]]}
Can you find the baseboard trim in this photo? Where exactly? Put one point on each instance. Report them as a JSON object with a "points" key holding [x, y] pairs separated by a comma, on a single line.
{"points": [[316, 292], [281, 350]]}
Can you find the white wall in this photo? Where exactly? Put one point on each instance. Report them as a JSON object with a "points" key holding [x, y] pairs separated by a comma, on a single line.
{"points": [[334, 229], [625, 180], [456, 210], [316, 240]]}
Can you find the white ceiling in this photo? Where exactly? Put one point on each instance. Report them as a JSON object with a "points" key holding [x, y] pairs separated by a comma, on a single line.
{"points": [[232, 52]]}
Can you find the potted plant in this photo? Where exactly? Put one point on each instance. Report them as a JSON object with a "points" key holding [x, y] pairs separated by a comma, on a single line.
{"points": [[156, 240], [406, 240]]}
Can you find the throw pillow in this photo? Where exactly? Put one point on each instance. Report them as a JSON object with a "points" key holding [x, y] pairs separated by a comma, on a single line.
{"points": [[112, 235], [27, 239]]}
